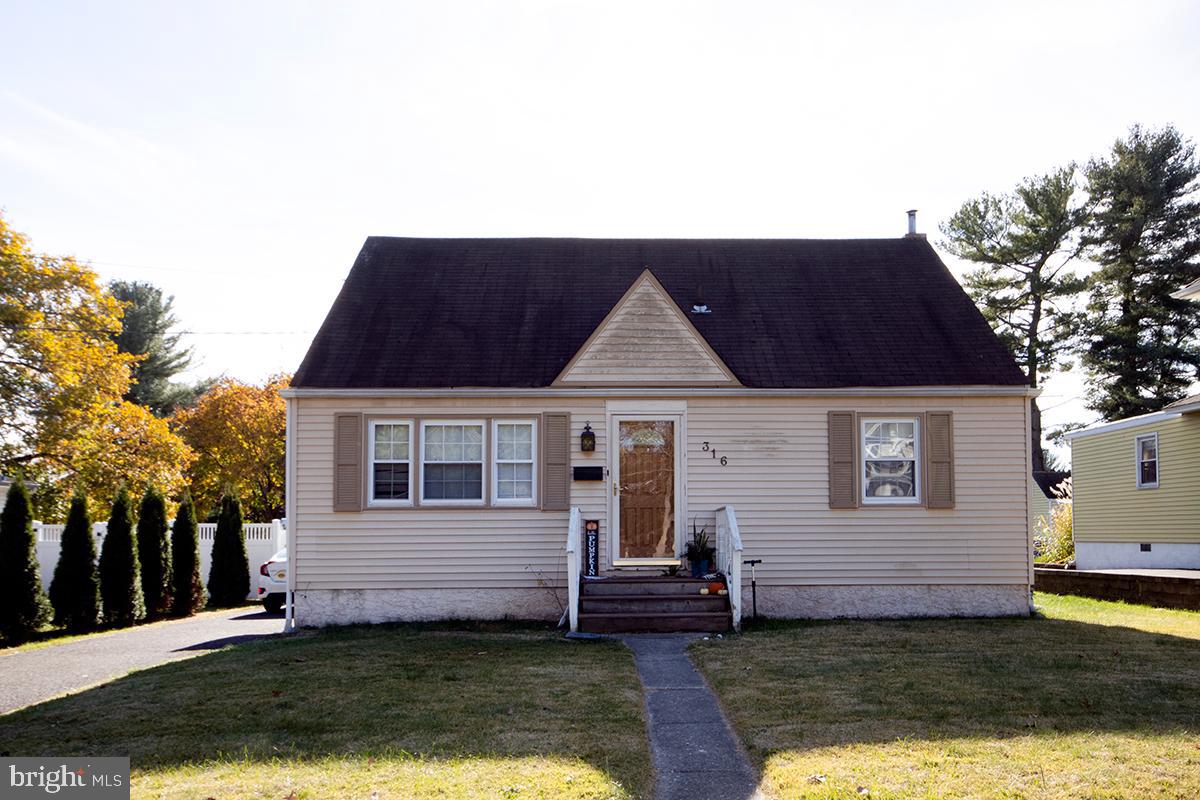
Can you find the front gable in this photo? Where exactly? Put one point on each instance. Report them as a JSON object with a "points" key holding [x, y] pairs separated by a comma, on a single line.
{"points": [[646, 340]]}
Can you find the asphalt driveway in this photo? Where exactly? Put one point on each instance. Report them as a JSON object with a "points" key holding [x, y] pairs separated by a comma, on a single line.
{"points": [[31, 676]]}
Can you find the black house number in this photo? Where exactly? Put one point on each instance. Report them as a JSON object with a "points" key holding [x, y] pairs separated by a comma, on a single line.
{"points": [[709, 449]]}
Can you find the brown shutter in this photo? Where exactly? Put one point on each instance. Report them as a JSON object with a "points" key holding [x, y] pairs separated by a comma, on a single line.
{"points": [[939, 459], [347, 462], [556, 461], [843, 459]]}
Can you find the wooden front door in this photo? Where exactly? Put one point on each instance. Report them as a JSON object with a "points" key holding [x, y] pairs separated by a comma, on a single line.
{"points": [[644, 489]]}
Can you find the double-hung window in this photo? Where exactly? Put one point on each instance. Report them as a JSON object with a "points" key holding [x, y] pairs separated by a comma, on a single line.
{"points": [[1146, 447], [452, 462], [514, 478], [890, 454], [391, 462]]}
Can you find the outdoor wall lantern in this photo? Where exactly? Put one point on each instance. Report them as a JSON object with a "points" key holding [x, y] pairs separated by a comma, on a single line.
{"points": [[587, 439]]}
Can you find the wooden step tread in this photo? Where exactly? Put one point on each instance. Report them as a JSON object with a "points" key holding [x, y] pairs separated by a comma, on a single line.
{"points": [[637, 615], [644, 596], [644, 579]]}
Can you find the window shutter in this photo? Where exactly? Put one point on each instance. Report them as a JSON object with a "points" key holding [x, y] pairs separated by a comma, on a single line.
{"points": [[843, 460], [556, 461], [347, 462], [939, 459]]}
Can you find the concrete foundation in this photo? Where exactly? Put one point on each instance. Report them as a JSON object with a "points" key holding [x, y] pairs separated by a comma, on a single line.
{"points": [[888, 601], [1129, 555], [350, 606], [323, 607]]}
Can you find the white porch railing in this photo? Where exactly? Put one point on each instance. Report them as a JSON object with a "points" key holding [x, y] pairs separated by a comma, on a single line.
{"points": [[574, 537], [729, 560]]}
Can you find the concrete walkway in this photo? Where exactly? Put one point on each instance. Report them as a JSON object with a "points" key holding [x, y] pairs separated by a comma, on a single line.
{"points": [[695, 753], [31, 676]]}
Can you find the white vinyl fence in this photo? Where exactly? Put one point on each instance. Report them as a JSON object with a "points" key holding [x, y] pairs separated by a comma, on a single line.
{"points": [[263, 540]]}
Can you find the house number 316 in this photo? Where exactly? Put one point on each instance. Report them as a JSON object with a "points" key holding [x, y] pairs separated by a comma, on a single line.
{"points": [[709, 449]]}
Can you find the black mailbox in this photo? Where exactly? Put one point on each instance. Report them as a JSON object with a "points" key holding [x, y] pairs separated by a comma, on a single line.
{"points": [[588, 473]]}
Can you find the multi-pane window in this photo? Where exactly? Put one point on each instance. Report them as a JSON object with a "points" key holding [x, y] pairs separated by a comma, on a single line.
{"points": [[1147, 461], [391, 462], [452, 462], [514, 474], [890, 453]]}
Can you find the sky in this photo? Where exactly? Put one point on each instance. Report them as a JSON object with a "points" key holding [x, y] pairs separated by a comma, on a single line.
{"points": [[237, 154]]}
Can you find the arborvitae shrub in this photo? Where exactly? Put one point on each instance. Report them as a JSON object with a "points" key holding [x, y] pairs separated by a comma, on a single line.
{"points": [[75, 590], [120, 582], [187, 593], [229, 576], [24, 608], [154, 553]]}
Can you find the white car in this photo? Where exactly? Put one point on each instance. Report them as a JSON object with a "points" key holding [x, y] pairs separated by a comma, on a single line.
{"points": [[272, 582]]}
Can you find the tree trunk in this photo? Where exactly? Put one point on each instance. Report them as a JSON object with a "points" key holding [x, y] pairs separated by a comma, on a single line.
{"points": [[1038, 460]]}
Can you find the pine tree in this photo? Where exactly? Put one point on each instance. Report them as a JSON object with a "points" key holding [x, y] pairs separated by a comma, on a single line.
{"points": [[1143, 351], [1025, 241], [229, 576], [120, 582], [146, 322], [75, 590], [187, 596], [24, 608], [154, 553]]}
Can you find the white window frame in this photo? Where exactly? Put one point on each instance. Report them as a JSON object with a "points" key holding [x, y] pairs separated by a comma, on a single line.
{"points": [[388, 502], [483, 462], [524, 502], [915, 500], [1137, 460]]}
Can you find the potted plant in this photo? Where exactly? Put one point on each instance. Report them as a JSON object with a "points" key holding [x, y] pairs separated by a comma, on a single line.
{"points": [[699, 553]]}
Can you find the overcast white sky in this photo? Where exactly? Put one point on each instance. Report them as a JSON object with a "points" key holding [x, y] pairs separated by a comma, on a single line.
{"points": [[237, 154]]}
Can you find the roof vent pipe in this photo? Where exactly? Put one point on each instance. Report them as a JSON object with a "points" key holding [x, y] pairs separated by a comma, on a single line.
{"points": [[912, 226]]}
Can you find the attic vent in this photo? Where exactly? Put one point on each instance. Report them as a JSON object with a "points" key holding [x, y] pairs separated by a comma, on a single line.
{"points": [[701, 310]]}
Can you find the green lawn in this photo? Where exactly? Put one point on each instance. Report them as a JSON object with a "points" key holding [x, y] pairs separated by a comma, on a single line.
{"points": [[1092, 700], [395, 711]]}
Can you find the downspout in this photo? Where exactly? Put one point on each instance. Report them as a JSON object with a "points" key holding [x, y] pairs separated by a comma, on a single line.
{"points": [[1028, 479], [289, 501]]}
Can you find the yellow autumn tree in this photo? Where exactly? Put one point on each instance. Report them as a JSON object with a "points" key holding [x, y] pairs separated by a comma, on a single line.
{"points": [[238, 433], [127, 445], [62, 421]]}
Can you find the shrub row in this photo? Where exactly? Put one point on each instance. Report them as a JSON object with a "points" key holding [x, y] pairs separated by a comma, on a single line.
{"points": [[143, 573]]}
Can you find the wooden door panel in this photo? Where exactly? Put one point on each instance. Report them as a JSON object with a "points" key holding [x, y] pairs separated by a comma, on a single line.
{"points": [[647, 475]]}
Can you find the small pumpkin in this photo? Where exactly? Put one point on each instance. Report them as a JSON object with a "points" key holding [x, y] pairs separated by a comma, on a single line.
{"points": [[704, 590], [715, 587]]}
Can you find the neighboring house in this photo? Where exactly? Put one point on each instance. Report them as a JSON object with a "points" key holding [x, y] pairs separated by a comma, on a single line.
{"points": [[1046, 490], [1189, 292], [1136, 488], [841, 403]]}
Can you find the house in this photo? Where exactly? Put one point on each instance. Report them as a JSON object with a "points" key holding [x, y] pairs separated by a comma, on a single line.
{"points": [[1137, 490], [836, 409], [1189, 292]]}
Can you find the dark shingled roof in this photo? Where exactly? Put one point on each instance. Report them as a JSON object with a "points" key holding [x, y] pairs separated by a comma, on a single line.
{"points": [[786, 313], [1048, 481]]}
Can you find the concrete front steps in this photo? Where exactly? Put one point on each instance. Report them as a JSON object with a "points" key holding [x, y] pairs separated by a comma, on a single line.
{"points": [[651, 605]]}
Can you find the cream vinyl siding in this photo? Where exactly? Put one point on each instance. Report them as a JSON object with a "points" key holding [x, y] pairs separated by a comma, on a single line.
{"points": [[1109, 507], [644, 340], [449, 547], [776, 478]]}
